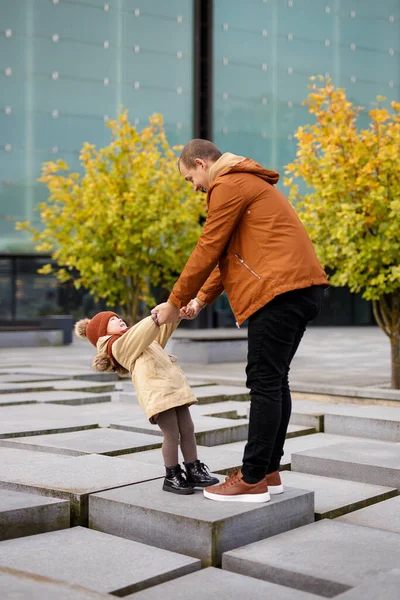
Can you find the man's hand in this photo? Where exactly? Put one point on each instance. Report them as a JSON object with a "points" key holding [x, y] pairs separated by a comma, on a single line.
{"points": [[192, 309], [165, 313]]}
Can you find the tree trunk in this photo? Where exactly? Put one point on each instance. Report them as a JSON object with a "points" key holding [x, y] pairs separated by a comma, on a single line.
{"points": [[395, 347], [387, 315]]}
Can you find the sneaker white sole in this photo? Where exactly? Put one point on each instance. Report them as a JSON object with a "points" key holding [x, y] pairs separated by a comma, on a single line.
{"points": [[275, 489], [239, 498]]}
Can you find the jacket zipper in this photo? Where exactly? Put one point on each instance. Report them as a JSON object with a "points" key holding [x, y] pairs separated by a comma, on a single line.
{"points": [[240, 259]]}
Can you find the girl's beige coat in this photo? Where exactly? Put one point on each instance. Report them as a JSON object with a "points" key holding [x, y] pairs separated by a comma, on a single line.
{"points": [[159, 383]]}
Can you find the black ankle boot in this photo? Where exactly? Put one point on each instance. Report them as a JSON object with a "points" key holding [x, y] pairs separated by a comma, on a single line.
{"points": [[175, 481], [198, 474]]}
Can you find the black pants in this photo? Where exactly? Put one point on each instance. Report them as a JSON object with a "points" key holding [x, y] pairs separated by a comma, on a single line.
{"points": [[274, 334]]}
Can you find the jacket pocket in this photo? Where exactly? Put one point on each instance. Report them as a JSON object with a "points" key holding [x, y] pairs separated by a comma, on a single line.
{"points": [[240, 259]]}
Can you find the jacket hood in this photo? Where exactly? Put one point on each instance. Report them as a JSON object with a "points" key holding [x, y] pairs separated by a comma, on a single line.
{"points": [[231, 163]]}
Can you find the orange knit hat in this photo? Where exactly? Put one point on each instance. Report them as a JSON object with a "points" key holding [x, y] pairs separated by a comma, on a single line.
{"points": [[97, 327]]}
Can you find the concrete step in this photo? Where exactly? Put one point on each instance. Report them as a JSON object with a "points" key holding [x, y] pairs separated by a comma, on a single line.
{"points": [[216, 583], [221, 393], [18, 585], [316, 440], [192, 524], [365, 461], [100, 387], [127, 386], [69, 398], [36, 419], [336, 497], [210, 431], [109, 442], [324, 558], [385, 515], [75, 478], [26, 514], [94, 560], [217, 458], [385, 586], [371, 421]]}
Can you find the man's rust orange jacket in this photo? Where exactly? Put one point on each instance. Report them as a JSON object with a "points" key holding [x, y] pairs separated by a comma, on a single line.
{"points": [[253, 244]]}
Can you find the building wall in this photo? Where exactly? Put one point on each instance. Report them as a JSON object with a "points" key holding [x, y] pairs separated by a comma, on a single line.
{"points": [[66, 66], [265, 51]]}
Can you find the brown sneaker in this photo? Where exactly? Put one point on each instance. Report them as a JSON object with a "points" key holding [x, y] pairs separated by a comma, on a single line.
{"points": [[274, 483], [234, 489]]}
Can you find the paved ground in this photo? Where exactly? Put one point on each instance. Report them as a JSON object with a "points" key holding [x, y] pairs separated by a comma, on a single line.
{"points": [[349, 356], [81, 500]]}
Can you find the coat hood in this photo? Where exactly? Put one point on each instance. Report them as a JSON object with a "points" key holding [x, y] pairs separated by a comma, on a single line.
{"points": [[231, 163]]}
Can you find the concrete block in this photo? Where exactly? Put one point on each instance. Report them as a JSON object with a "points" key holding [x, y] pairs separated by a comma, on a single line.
{"points": [[385, 515], [325, 558], [126, 386], [92, 387], [370, 421], [35, 419], [90, 441], [14, 458], [192, 524], [213, 583], [75, 478], [208, 351], [385, 586], [54, 397], [217, 458], [228, 409], [210, 431], [94, 560], [26, 514], [221, 393], [25, 387], [18, 585], [365, 461], [377, 428], [24, 377], [307, 442], [336, 497], [315, 420]]}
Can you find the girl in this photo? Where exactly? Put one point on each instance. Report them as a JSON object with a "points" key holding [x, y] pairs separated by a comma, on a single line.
{"points": [[160, 385]]}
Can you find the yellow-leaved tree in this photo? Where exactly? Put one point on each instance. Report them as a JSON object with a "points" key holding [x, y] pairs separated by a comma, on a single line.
{"points": [[127, 224], [351, 206]]}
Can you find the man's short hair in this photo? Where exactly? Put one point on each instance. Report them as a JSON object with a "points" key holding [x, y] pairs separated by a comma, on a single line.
{"points": [[199, 149]]}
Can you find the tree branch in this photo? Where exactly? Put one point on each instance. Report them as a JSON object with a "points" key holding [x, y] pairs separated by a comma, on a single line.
{"points": [[379, 320]]}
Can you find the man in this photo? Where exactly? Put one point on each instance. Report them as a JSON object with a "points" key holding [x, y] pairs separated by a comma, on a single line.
{"points": [[255, 247]]}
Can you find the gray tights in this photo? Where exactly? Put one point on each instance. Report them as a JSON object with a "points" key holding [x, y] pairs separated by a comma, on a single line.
{"points": [[177, 425]]}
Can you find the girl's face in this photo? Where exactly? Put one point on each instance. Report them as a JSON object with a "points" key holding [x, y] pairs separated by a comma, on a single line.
{"points": [[115, 326]]}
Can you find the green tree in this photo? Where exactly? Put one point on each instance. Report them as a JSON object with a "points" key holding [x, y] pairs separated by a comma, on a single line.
{"points": [[128, 224], [351, 204]]}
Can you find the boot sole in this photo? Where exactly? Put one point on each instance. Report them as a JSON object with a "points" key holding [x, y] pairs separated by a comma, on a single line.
{"points": [[275, 489], [182, 492], [265, 497]]}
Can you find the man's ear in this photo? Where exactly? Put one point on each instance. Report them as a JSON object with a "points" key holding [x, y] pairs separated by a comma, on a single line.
{"points": [[199, 162]]}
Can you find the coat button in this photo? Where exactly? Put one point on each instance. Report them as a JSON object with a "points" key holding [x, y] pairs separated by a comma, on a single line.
{"points": [[248, 212]]}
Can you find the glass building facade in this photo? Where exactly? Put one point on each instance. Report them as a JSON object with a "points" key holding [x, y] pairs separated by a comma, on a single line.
{"points": [[234, 72]]}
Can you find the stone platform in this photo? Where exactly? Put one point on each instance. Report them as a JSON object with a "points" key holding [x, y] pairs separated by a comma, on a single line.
{"points": [[75, 478], [215, 583], [385, 515], [27, 514], [365, 461], [194, 525], [18, 585], [325, 558], [109, 442], [210, 431], [94, 560], [336, 497]]}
